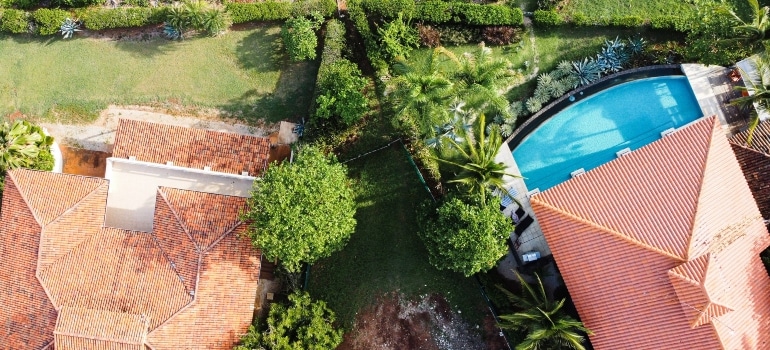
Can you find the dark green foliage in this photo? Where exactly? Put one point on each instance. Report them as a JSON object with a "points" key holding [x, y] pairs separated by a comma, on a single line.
{"points": [[302, 325], [466, 237], [258, 11], [707, 31], [340, 92], [334, 42], [15, 21], [547, 18], [434, 11], [23, 4], [458, 34], [49, 21], [122, 17], [299, 38], [76, 3], [327, 8], [627, 21], [391, 8], [302, 211], [358, 16]]}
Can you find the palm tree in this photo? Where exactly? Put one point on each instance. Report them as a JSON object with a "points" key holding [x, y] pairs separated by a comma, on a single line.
{"points": [[546, 324], [473, 160], [482, 80], [756, 31], [419, 95], [758, 84], [20, 144]]}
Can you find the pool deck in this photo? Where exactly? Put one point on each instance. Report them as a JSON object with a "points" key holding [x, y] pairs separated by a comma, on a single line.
{"points": [[714, 89]]}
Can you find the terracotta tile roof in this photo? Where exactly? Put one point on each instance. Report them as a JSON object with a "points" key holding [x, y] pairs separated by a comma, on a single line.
{"points": [[193, 148], [670, 235], [218, 315], [755, 163], [77, 326], [205, 216], [27, 317]]}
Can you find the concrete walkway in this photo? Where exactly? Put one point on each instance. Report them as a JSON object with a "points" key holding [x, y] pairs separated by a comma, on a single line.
{"points": [[714, 90]]}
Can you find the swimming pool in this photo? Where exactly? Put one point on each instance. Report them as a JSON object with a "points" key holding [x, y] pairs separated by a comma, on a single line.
{"points": [[589, 132]]}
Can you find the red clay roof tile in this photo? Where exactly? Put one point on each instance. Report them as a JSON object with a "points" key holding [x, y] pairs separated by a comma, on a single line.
{"points": [[88, 324], [755, 163], [192, 148], [651, 231]]}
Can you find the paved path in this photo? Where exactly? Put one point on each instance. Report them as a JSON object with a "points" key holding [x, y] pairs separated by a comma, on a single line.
{"points": [[535, 55]]}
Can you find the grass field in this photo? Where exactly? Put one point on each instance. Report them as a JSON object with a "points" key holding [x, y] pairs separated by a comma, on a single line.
{"points": [[242, 72], [645, 9], [385, 254]]}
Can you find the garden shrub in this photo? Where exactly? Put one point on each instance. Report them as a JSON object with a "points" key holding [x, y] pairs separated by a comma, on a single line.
{"points": [[137, 3], [627, 21], [500, 35], [340, 92], [299, 38], [580, 19], [15, 21], [326, 8], [488, 14], [358, 16], [76, 3], [664, 22], [49, 20], [390, 8], [334, 43], [260, 11], [434, 11], [397, 38], [21, 4], [122, 17], [458, 34], [547, 18], [429, 36]]}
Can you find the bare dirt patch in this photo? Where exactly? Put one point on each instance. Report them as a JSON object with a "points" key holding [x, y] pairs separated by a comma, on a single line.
{"points": [[428, 323]]}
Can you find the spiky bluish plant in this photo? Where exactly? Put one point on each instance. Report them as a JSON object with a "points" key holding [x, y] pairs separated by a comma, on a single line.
{"points": [[586, 71], [171, 31], [69, 27], [636, 45]]}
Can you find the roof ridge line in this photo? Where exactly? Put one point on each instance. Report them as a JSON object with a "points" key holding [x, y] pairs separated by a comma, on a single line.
{"points": [[70, 334], [216, 241], [610, 231], [702, 172], [72, 208], [178, 219]]}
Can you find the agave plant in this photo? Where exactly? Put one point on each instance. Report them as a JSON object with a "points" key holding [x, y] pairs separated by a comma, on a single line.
{"points": [[586, 71], [533, 105], [171, 31], [560, 87], [562, 70], [69, 27], [609, 61], [454, 130], [615, 45], [543, 95], [635, 45]]}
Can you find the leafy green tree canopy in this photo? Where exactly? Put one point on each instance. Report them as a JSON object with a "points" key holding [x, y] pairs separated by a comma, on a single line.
{"points": [[341, 92], [303, 211], [298, 34], [466, 237], [303, 325]]}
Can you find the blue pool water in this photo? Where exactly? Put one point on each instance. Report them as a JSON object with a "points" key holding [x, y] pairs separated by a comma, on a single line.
{"points": [[588, 133]]}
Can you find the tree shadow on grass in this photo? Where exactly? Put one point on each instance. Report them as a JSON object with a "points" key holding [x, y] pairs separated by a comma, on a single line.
{"points": [[262, 50]]}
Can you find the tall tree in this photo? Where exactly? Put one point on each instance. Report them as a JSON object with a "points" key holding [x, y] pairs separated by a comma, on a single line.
{"points": [[544, 321], [757, 96], [472, 160], [302, 211], [755, 31]]}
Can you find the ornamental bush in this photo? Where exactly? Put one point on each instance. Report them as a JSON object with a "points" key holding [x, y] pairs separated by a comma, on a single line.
{"points": [[327, 8], [15, 21], [627, 21], [488, 14], [299, 38], [259, 11], [76, 3], [434, 11], [547, 18], [340, 92], [49, 20], [122, 17]]}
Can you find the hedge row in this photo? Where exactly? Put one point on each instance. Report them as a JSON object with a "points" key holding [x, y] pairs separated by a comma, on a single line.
{"points": [[435, 11], [334, 42], [48, 21], [275, 10], [549, 18]]}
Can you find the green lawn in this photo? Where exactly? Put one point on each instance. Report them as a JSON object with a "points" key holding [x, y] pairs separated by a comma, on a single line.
{"points": [[385, 254], [242, 72]]}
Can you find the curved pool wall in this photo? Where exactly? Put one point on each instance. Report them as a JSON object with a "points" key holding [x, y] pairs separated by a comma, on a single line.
{"points": [[626, 110]]}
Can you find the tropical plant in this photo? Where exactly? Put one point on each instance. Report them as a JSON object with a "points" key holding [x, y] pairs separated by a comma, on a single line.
{"points": [[755, 31], [586, 71], [472, 161], [533, 104], [481, 80], [171, 32], [464, 235], [195, 15], [302, 211], [299, 38], [69, 27], [302, 325], [454, 129], [398, 38], [418, 95], [546, 324], [636, 45], [215, 21], [21, 144], [341, 92], [757, 88]]}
